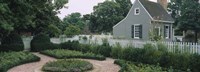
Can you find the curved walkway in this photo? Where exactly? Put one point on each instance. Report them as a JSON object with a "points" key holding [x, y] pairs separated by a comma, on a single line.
{"points": [[99, 66]]}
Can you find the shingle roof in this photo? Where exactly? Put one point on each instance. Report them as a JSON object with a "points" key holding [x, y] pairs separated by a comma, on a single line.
{"points": [[156, 11]]}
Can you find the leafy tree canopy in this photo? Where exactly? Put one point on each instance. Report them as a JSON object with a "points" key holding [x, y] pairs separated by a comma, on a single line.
{"points": [[28, 15], [107, 14]]}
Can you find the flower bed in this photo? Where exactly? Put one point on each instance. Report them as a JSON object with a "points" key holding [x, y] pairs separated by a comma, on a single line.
{"points": [[65, 65], [61, 54], [11, 59]]}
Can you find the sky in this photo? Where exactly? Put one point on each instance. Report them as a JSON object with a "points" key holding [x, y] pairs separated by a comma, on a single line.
{"points": [[81, 6]]}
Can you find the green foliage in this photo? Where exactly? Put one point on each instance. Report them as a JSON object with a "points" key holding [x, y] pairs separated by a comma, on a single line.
{"points": [[28, 16], [53, 31], [187, 15], [194, 63], [74, 19], [12, 42], [62, 54], [159, 56], [71, 45], [162, 47], [104, 49], [41, 42], [85, 48], [85, 38], [72, 30], [137, 67], [67, 66], [11, 59], [116, 51], [105, 16]]}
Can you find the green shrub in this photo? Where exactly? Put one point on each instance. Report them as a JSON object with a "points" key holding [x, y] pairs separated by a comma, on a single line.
{"points": [[12, 42], [194, 63], [67, 66], [104, 49], [71, 45], [62, 54], [133, 54], [85, 38], [41, 42], [11, 59], [151, 53], [137, 67], [116, 51], [85, 48], [162, 47]]}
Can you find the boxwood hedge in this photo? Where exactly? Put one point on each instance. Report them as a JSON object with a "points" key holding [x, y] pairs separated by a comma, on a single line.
{"points": [[66, 65], [11, 59], [61, 54]]}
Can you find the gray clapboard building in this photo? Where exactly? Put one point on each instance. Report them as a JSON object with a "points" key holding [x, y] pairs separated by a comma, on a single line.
{"points": [[144, 19]]}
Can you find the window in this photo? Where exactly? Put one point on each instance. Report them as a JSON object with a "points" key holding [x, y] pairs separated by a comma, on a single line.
{"points": [[136, 31], [157, 31], [167, 32], [137, 11]]}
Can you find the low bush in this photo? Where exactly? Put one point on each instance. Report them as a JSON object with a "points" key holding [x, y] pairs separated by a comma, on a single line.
{"points": [[155, 56], [67, 66], [116, 51], [137, 67], [133, 54], [12, 42], [41, 42], [103, 49], [11, 59], [71, 45], [85, 48], [62, 54]]}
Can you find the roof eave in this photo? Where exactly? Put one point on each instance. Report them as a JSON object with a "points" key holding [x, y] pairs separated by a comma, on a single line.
{"points": [[163, 21]]}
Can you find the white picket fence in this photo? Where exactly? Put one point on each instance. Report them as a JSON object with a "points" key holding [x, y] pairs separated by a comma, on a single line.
{"points": [[180, 47]]}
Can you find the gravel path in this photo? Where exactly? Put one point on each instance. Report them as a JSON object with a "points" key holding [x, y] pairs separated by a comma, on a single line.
{"points": [[99, 66]]}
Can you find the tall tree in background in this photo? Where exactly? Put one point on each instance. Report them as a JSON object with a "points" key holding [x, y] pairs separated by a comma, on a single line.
{"points": [[28, 15], [74, 19], [186, 14], [107, 14], [190, 17], [175, 8], [125, 6]]}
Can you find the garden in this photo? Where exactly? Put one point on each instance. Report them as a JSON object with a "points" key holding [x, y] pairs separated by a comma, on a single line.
{"points": [[151, 58], [39, 20]]}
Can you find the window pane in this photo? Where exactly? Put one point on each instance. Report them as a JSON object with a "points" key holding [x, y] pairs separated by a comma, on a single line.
{"points": [[167, 32], [137, 31]]}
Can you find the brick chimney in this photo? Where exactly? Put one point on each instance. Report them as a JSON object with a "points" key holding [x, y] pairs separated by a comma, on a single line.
{"points": [[163, 3]]}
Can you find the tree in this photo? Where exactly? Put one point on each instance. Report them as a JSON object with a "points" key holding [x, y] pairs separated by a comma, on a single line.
{"points": [[107, 14], [28, 15], [175, 8], [190, 17], [125, 6], [53, 31], [75, 19], [72, 30]]}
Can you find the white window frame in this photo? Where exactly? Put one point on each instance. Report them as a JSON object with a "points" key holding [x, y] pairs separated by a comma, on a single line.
{"points": [[135, 11], [167, 36], [135, 31], [159, 32]]}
